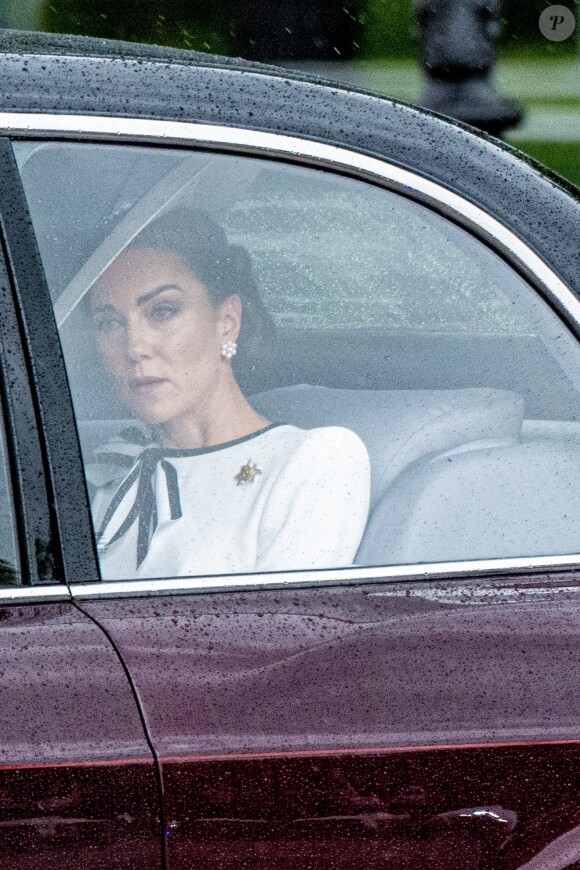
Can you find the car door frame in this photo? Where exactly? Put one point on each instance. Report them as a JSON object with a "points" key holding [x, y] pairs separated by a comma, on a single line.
{"points": [[42, 784], [83, 575], [53, 395], [40, 560], [65, 548]]}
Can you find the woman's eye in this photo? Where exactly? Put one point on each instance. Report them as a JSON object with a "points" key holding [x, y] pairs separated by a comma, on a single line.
{"points": [[164, 311], [107, 324]]}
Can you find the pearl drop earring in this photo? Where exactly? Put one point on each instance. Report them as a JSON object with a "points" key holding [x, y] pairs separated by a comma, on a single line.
{"points": [[229, 349]]}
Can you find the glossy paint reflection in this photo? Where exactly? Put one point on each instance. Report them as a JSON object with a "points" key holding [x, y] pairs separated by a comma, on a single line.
{"points": [[404, 726], [402, 811], [563, 852], [56, 818], [77, 780], [366, 667]]}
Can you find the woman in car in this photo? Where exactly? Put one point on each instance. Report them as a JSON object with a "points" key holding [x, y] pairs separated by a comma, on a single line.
{"points": [[209, 486]]}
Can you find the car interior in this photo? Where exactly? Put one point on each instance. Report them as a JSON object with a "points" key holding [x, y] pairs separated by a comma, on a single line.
{"points": [[391, 320]]}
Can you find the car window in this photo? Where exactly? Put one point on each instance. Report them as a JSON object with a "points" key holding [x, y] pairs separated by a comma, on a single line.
{"points": [[275, 367], [9, 573]]}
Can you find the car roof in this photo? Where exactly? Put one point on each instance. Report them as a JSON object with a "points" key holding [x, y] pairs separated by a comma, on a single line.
{"points": [[50, 73], [68, 45]]}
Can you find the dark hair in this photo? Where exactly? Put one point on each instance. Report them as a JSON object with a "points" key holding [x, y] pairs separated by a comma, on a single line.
{"points": [[224, 270]]}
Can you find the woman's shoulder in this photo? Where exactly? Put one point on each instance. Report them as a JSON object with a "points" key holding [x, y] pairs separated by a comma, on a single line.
{"points": [[338, 437], [326, 462], [329, 444]]}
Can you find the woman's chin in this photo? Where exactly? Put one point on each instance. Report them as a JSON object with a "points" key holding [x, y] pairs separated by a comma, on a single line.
{"points": [[150, 414]]}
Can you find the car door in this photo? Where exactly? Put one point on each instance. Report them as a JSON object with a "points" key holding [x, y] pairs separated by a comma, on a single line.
{"points": [[421, 707], [78, 785]]}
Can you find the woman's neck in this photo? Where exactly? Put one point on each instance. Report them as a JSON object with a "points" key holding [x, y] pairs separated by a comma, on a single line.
{"points": [[225, 416]]}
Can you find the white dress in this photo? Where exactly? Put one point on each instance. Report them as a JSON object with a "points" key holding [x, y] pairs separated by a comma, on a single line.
{"points": [[281, 499]]}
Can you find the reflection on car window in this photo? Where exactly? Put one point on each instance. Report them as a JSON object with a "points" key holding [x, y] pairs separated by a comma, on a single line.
{"points": [[244, 339], [9, 574], [213, 485]]}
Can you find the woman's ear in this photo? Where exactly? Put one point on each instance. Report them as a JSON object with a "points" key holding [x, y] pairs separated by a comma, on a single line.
{"points": [[230, 318]]}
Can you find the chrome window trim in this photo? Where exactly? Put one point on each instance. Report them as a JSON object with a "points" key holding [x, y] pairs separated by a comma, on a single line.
{"points": [[34, 594], [319, 154], [364, 167], [355, 575]]}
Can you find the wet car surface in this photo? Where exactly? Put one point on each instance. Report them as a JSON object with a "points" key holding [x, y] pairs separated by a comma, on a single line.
{"points": [[420, 708]]}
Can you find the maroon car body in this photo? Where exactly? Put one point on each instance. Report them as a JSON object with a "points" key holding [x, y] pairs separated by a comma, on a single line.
{"points": [[392, 717]]}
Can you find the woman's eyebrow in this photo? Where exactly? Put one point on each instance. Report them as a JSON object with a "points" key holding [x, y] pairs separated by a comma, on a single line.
{"points": [[99, 308], [141, 300]]}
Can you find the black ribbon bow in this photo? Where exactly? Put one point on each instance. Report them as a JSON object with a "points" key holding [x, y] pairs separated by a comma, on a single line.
{"points": [[144, 508]]}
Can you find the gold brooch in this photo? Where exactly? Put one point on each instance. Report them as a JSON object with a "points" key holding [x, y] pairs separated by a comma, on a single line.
{"points": [[247, 473]]}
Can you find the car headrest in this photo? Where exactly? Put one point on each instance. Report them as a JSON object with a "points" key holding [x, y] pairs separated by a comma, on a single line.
{"points": [[399, 427], [501, 502]]}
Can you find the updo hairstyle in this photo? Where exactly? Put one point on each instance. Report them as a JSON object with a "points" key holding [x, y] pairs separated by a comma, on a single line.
{"points": [[224, 270]]}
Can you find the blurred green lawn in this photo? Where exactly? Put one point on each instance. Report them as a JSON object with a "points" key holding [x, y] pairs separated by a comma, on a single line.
{"points": [[562, 157], [550, 95]]}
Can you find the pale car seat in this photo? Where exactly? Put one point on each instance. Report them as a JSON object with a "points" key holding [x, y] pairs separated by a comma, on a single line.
{"points": [[400, 427], [518, 500]]}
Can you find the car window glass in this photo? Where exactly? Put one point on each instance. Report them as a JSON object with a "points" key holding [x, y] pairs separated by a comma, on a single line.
{"points": [[9, 574], [361, 312]]}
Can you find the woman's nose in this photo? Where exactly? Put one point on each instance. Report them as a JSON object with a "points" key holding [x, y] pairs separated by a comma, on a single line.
{"points": [[139, 345]]}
